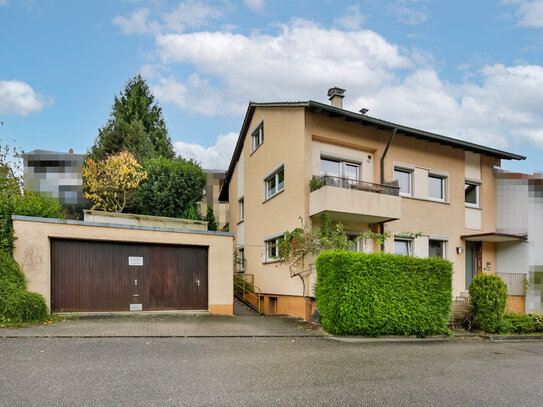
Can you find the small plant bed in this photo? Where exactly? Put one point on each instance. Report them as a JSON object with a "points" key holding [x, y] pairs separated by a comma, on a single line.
{"points": [[487, 317], [51, 318]]}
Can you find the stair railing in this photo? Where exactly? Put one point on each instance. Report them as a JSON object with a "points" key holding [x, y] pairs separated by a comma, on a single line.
{"points": [[246, 291]]}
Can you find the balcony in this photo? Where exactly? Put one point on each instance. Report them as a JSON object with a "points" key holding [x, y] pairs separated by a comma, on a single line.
{"points": [[348, 200]]}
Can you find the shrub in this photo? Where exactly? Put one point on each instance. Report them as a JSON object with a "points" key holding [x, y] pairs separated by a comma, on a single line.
{"points": [[17, 304], [518, 323], [383, 294], [488, 296], [26, 204], [538, 322], [9, 271]]}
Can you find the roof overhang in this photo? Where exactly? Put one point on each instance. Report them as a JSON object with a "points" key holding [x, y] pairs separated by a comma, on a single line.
{"points": [[494, 237], [331, 111]]}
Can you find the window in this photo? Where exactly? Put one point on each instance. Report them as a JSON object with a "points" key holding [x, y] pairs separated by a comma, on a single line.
{"points": [[241, 260], [404, 180], [257, 136], [355, 245], [436, 248], [275, 183], [272, 252], [471, 194], [241, 209], [436, 187], [340, 169], [403, 247]]}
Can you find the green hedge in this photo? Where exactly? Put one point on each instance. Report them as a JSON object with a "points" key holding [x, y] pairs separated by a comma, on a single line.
{"points": [[17, 304], [383, 294]]}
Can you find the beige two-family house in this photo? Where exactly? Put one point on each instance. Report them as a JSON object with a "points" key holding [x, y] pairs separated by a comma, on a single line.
{"points": [[375, 176]]}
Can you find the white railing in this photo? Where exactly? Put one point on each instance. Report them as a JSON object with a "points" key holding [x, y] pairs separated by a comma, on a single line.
{"points": [[515, 282]]}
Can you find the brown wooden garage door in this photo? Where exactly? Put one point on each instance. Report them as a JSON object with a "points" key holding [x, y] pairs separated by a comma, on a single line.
{"points": [[110, 276]]}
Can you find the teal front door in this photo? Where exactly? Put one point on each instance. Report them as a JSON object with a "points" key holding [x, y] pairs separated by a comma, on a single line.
{"points": [[472, 253]]}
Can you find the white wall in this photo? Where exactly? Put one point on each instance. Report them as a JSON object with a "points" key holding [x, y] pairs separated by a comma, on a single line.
{"points": [[512, 257]]}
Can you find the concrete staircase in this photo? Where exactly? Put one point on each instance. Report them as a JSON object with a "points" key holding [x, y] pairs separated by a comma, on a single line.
{"points": [[461, 307]]}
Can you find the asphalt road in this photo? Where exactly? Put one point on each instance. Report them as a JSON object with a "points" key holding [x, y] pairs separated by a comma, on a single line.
{"points": [[267, 372]]}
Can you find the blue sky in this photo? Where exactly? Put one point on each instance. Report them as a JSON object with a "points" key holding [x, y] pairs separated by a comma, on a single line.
{"points": [[466, 69]]}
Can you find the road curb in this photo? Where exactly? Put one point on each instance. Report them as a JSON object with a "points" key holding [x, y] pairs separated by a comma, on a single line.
{"points": [[394, 339], [153, 336], [516, 338]]}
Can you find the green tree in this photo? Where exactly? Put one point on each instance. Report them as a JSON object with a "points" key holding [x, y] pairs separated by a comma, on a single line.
{"points": [[172, 188], [210, 217], [135, 125]]}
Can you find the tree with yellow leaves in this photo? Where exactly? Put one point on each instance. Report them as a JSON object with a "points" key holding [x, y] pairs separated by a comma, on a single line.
{"points": [[110, 183]]}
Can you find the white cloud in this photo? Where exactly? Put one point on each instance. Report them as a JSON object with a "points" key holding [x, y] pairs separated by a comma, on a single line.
{"points": [[193, 14], [531, 13], [302, 61], [406, 12], [19, 98], [255, 5], [497, 105], [188, 14], [214, 157], [505, 109], [352, 19], [136, 23]]}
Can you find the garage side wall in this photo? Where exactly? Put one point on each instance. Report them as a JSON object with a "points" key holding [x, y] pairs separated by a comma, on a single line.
{"points": [[33, 253]]}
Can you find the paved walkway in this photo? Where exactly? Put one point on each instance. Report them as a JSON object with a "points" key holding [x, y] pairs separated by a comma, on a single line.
{"points": [[167, 325]]}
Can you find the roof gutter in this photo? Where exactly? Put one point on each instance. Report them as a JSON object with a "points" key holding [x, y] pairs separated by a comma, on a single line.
{"points": [[392, 135]]}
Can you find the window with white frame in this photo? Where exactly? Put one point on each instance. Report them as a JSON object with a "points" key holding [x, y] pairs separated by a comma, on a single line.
{"points": [[241, 209], [404, 178], [437, 187], [257, 136], [340, 169], [471, 194], [275, 183], [403, 247], [436, 248], [272, 250]]}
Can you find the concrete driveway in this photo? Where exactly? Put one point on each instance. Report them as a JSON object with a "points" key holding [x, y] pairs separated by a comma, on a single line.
{"points": [[167, 325]]}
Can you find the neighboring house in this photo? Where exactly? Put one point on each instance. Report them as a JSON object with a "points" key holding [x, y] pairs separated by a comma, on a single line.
{"points": [[377, 176], [55, 175], [215, 181], [520, 212]]}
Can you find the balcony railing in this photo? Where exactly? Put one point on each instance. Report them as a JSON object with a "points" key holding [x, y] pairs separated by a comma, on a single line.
{"points": [[516, 284], [390, 188]]}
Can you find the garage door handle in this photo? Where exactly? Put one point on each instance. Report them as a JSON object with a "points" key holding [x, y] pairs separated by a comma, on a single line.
{"points": [[198, 282]]}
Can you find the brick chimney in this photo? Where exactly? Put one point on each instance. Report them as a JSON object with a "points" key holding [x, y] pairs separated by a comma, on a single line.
{"points": [[336, 97]]}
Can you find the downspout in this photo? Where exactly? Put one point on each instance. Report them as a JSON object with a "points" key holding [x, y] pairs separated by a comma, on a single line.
{"points": [[391, 137]]}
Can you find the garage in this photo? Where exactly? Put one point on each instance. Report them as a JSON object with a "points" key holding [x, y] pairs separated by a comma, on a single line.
{"points": [[94, 276], [86, 266]]}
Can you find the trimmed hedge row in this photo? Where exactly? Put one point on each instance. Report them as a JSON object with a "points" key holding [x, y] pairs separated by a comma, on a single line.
{"points": [[383, 294], [17, 304]]}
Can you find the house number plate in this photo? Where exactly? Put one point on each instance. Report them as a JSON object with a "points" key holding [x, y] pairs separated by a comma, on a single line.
{"points": [[135, 261]]}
